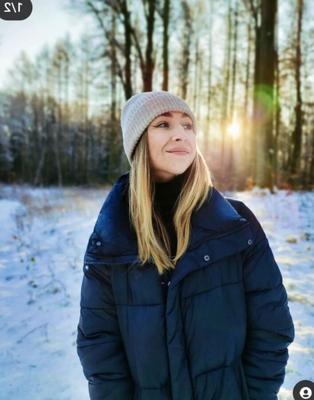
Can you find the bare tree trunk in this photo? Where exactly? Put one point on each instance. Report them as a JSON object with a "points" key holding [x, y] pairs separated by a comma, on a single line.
{"points": [[127, 82], [165, 42], [265, 148], [58, 126], [187, 34], [120, 8], [226, 83], [264, 88], [66, 108], [255, 15], [55, 133], [209, 84], [113, 69], [247, 131], [277, 113], [40, 165], [234, 63], [233, 159], [149, 59], [196, 67], [297, 132], [112, 137], [85, 107]]}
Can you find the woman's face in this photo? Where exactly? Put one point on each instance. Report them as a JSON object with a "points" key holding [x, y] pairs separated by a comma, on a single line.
{"points": [[166, 133]]}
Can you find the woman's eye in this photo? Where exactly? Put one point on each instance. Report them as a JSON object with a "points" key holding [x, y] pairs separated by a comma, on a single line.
{"points": [[189, 126], [162, 123]]}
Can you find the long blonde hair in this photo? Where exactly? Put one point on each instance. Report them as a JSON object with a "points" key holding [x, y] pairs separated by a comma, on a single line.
{"points": [[152, 237]]}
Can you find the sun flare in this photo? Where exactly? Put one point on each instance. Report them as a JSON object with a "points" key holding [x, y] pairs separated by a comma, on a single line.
{"points": [[234, 129]]}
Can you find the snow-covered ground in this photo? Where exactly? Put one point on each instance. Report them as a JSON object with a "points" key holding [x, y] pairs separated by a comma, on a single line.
{"points": [[43, 236]]}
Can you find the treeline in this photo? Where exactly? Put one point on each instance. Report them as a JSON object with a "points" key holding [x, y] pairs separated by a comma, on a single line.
{"points": [[244, 66], [55, 121]]}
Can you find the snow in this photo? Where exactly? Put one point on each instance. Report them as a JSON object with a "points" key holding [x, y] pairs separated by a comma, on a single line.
{"points": [[43, 236]]}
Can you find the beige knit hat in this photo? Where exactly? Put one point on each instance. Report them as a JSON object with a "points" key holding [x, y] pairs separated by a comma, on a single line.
{"points": [[140, 109]]}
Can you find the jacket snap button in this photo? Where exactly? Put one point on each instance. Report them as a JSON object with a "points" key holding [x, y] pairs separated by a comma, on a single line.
{"points": [[86, 267], [98, 243], [250, 241], [206, 257]]}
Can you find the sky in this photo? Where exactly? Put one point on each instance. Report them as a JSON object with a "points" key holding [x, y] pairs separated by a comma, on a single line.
{"points": [[52, 19], [49, 21]]}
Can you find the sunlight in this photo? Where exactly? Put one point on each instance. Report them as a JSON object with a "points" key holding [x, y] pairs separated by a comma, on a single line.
{"points": [[234, 129]]}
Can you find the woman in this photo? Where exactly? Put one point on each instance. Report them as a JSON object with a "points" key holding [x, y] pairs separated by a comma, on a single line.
{"points": [[181, 296]]}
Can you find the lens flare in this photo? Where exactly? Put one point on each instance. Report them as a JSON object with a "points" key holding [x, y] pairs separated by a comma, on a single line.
{"points": [[234, 129]]}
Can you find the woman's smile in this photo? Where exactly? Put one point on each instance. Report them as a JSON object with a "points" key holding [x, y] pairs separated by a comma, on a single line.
{"points": [[178, 153]]}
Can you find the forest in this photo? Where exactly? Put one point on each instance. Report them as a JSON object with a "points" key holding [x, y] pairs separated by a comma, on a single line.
{"points": [[243, 66]]}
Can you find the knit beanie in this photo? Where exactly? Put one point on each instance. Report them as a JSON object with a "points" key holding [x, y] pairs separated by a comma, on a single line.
{"points": [[140, 109]]}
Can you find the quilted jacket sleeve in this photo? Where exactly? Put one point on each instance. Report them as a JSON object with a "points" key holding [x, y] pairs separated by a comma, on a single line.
{"points": [[99, 344], [270, 328]]}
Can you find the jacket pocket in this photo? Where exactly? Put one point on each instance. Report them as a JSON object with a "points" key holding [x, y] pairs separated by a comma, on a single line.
{"points": [[223, 383]]}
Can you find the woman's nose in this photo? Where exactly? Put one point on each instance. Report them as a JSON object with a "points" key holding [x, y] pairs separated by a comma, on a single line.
{"points": [[180, 132]]}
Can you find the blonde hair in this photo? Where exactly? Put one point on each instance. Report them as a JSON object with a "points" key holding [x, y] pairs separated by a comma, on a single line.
{"points": [[152, 237]]}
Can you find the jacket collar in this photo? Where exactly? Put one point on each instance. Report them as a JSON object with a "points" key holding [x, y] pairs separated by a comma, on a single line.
{"points": [[113, 230], [216, 214]]}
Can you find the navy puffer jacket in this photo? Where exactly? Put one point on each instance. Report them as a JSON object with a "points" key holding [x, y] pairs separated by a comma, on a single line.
{"points": [[220, 331]]}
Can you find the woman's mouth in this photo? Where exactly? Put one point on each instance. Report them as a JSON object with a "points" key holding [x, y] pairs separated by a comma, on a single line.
{"points": [[178, 153]]}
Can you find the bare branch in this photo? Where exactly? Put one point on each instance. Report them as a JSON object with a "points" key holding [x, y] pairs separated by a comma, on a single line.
{"points": [[249, 4], [137, 46]]}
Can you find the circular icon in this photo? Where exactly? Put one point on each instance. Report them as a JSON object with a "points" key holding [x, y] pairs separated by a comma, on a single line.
{"points": [[304, 390]]}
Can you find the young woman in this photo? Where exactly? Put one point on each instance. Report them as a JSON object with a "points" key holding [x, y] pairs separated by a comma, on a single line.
{"points": [[181, 296]]}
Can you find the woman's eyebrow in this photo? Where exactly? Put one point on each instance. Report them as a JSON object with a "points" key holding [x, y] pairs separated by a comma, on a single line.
{"points": [[170, 114]]}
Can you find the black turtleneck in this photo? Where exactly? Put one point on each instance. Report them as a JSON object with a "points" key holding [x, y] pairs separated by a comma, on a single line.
{"points": [[166, 193]]}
